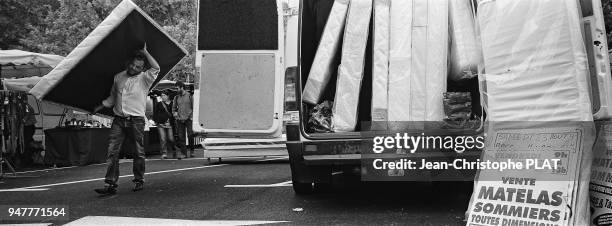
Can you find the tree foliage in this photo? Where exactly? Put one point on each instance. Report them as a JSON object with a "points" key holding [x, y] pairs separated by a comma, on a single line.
{"points": [[18, 17], [63, 28], [65, 23]]}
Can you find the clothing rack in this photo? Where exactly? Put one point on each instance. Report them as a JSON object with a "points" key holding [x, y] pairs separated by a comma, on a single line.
{"points": [[13, 109]]}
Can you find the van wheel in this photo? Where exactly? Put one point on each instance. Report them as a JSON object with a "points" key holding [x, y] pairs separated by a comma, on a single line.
{"points": [[323, 187], [302, 188]]}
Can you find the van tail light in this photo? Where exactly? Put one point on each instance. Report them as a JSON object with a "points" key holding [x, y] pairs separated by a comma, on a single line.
{"points": [[291, 113]]}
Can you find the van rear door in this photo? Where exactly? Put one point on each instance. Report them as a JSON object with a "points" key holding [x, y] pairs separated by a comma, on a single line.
{"points": [[599, 62], [240, 60]]}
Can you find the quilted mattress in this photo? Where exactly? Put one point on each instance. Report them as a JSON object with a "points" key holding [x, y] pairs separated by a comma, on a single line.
{"points": [[321, 70], [534, 60], [351, 69], [380, 60]]}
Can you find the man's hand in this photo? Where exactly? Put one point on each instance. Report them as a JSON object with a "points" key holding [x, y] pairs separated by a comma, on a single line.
{"points": [[150, 58], [98, 108], [144, 48]]}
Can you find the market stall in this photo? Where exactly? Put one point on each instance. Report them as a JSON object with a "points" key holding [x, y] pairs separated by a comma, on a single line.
{"points": [[18, 70], [76, 146], [13, 110], [48, 146]]}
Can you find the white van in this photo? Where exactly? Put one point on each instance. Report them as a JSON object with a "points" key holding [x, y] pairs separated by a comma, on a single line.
{"points": [[243, 53]]}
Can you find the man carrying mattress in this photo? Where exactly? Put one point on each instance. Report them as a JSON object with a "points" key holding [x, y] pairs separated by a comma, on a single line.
{"points": [[128, 101]]}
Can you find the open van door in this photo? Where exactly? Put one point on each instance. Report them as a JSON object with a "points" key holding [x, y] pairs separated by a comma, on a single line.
{"points": [[240, 60], [594, 30]]}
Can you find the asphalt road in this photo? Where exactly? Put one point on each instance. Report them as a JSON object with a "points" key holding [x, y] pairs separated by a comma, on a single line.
{"points": [[240, 192]]}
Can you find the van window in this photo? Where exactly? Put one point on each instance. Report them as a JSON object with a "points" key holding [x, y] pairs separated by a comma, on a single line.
{"points": [[238, 25]]}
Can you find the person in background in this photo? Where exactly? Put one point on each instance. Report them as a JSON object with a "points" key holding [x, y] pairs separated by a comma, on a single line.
{"points": [[164, 120], [128, 98], [29, 127], [182, 109]]}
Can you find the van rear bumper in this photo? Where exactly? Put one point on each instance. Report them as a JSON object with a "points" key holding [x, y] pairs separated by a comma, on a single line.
{"points": [[317, 168], [357, 159], [342, 159]]}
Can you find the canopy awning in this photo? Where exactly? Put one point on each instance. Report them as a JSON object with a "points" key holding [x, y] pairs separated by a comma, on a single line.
{"points": [[21, 84], [19, 57]]}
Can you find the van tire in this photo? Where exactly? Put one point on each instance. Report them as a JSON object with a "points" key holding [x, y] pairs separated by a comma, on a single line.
{"points": [[322, 187], [302, 188]]}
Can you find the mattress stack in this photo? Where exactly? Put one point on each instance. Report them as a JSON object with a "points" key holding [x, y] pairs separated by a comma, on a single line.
{"points": [[409, 63], [418, 60], [535, 70]]}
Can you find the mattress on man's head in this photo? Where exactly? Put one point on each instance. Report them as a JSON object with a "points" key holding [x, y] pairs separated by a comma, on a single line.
{"points": [[85, 77], [534, 60]]}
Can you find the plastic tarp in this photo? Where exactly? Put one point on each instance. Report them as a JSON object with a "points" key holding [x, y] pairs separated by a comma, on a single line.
{"points": [[321, 70], [418, 60], [351, 69], [534, 50], [464, 50], [381, 60], [20, 84], [19, 57], [85, 77]]}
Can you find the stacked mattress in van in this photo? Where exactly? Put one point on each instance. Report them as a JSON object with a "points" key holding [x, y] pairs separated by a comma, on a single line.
{"points": [[322, 70], [464, 51], [380, 70], [351, 69], [535, 61], [410, 57], [418, 60]]}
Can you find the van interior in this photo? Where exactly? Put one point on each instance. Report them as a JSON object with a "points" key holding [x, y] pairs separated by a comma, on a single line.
{"points": [[313, 18]]}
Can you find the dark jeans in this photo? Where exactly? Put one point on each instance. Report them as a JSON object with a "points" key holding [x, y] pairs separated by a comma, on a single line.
{"points": [[166, 139], [184, 128], [130, 130]]}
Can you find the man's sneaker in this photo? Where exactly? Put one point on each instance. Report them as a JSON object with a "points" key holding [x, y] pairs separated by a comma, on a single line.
{"points": [[107, 190], [164, 156], [138, 186]]}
